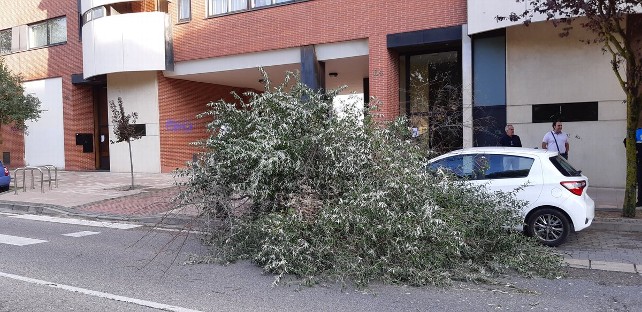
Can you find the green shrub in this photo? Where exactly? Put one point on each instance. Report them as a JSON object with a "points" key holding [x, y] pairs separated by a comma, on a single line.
{"points": [[300, 191]]}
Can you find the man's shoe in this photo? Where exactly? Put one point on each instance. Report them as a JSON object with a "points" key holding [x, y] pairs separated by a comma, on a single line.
{"points": [[638, 204]]}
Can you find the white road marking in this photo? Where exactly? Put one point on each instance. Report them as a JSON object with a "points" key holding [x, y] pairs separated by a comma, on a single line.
{"points": [[105, 224], [7, 214], [19, 241], [99, 294], [81, 234]]}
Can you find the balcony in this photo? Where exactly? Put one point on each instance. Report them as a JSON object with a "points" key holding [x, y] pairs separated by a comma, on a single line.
{"points": [[126, 43]]}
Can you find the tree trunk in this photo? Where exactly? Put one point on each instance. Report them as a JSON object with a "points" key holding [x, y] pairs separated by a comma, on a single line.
{"points": [[131, 162], [630, 189], [633, 102]]}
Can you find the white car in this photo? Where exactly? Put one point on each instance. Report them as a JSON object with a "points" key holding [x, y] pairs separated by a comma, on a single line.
{"points": [[555, 191]]}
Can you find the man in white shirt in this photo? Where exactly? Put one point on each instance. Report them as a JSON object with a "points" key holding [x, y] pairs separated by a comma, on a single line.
{"points": [[556, 140]]}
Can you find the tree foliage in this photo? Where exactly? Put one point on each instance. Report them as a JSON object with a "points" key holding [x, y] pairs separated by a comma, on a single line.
{"points": [[300, 191], [617, 29], [15, 107], [124, 129]]}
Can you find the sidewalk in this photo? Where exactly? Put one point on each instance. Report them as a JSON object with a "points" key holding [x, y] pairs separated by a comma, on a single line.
{"points": [[101, 195], [613, 244]]}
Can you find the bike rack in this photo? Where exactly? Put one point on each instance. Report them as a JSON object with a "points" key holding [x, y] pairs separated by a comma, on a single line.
{"points": [[42, 177]]}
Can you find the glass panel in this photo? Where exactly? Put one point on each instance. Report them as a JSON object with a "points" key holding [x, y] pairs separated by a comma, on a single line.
{"points": [[260, 3], [98, 12], [217, 7], [564, 167], [184, 10], [5, 41], [433, 91], [58, 30], [38, 35], [238, 5], [281, 1], [461, 165], [87, 17], [508, 166]]}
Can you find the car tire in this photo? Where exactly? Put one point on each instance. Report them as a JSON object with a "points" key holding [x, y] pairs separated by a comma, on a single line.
{"points": [[549, 226], [4, 188]]}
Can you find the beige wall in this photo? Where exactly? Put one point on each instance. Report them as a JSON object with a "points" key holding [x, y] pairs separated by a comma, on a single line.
{"points": [[543, 68], [139, 92]]}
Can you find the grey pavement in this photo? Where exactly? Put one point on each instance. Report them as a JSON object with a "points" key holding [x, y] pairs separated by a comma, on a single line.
{"points": [[611, 243]]}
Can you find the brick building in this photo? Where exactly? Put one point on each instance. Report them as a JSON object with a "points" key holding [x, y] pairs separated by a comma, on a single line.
{"points": [[168, 59]]}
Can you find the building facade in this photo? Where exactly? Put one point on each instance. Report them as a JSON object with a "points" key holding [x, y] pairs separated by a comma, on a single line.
{"points": [[167, 59], [533, 75]]}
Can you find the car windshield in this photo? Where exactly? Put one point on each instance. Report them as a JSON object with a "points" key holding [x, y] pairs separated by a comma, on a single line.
{"points": [[565, 167]]}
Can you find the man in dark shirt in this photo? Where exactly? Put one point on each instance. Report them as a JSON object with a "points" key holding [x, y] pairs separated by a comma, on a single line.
{"points": [[510, 139]]}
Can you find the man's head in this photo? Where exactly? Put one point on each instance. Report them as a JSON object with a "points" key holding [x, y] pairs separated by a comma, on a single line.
{"points": [[557, 126], [510, 130]]}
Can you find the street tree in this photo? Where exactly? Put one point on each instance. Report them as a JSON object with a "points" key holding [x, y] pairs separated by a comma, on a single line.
{"points": [[617, 29], [16, 107], [301, 187], [124, 129]]}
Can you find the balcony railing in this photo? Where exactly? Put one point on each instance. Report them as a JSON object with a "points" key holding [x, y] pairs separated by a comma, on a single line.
{"points": [[127, 42]]}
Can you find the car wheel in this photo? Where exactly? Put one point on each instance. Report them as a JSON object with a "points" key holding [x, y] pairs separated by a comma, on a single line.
{"points": [[549, 226], [4, 188]]}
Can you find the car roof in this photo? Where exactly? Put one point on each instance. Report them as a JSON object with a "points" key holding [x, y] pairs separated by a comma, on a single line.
{"points": [[523, 151]]}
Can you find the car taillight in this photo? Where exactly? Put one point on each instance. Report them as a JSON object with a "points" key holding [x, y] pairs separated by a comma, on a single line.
{"points": [[575, 187]]}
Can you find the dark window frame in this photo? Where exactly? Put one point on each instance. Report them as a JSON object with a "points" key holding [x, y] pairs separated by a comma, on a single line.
{"points": [[181, 3], [47, 23], [140, 129], [577, 111], [250, 6]]}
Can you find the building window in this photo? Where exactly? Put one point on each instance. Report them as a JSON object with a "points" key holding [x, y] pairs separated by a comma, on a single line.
{"points": [[5, 41], [94, 14], [49, 32], [581, 111], [140, 129], [216, 7], [184, 10]]}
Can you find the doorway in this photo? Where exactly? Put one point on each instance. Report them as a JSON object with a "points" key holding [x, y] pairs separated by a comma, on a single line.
{"points": [[101, 127], [431, 93]]}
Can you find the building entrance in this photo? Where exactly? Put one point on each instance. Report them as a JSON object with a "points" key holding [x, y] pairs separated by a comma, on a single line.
{"points": [[101, 121]]}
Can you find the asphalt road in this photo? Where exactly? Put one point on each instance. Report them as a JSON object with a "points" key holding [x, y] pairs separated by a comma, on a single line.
{"points": [[76, 267]]}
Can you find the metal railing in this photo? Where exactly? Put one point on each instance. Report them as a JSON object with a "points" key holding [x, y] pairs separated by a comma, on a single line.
{"points": [[42, 177]]}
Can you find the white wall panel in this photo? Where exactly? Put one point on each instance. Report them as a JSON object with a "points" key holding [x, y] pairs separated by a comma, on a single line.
{"points": [[482, 13], [139, 92], [45, 141], [595, 148], [544, 68], [124, 43]]}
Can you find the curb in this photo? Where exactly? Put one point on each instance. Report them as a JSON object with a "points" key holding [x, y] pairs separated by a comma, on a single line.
{"points": [[604, 265]]}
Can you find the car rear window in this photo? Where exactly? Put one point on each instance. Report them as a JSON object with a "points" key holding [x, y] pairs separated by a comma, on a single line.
{"points": [[564, 167]]}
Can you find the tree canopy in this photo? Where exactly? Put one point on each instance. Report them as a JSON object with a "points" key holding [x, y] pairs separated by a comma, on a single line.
{"points": [[16, 107]]}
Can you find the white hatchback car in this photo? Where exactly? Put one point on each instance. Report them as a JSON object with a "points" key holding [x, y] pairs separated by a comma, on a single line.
{"points": [[555, 191]]}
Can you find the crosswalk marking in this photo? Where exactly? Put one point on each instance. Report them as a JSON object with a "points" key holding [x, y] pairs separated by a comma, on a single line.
{"points": [[81, 234], [19, 241], [104, 224]]}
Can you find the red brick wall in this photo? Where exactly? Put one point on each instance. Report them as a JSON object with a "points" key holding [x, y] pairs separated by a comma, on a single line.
{"points": [[55, 61], [179, 103], [317, 22]]}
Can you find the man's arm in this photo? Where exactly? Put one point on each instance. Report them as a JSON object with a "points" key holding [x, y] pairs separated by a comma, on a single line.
{"points": [[544, 145], [566, 145]]}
